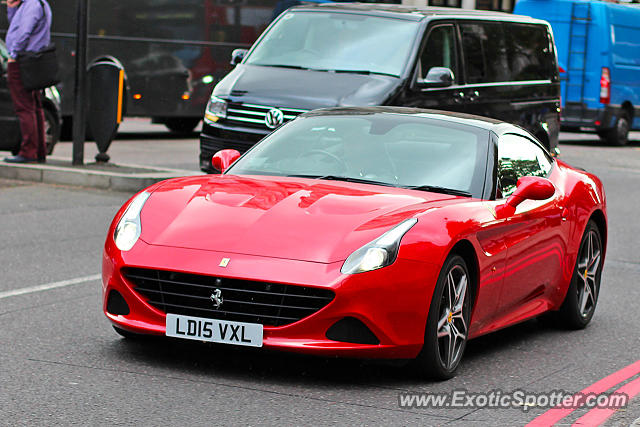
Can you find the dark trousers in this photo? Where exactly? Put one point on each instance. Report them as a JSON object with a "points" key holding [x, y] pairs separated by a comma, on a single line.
{"points": [[28, 106]]}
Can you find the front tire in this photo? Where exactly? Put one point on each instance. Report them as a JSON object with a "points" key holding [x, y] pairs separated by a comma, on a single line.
{"points": [[582, 296], [447, 328], [619, 134]]}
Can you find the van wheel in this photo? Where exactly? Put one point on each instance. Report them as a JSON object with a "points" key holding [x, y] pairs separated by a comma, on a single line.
{"points": [[619, 134], [447, 328]]}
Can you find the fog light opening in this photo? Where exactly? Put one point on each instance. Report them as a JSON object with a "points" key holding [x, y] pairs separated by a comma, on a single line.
{"points": [[116, 304], [352, 330]]}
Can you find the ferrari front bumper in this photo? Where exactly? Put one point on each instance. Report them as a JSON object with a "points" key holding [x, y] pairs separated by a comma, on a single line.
{"points": [[391, 302]]}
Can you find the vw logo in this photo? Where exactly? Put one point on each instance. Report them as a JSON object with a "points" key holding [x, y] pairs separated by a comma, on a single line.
{"points": [[274, 118], [216, 298]]}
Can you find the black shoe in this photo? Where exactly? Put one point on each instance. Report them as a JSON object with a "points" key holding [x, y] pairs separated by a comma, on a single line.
{"points": [[19, 159]]}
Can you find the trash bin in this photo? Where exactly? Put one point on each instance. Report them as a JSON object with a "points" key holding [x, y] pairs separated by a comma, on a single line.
{"points": [[106, 79]]}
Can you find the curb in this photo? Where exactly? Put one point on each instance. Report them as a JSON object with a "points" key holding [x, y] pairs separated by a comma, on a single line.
{"points": [[81, 176]]}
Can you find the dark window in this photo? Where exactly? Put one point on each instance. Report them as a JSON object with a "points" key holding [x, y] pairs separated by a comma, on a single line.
{"points": [[439, 51], [530, 52], [500, 5], [446, 3], [518, 157], [485, 52]]}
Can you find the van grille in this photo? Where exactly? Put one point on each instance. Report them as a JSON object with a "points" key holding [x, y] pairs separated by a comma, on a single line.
{"points": [[254, 115], [269, 304]]}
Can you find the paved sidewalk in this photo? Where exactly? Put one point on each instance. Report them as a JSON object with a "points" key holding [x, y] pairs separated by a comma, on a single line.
{"points": [[122, 177], [143, 154]]}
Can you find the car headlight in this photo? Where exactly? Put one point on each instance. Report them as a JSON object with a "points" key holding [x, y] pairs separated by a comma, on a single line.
{"points": [[129, 227], [379, 253], [216, 110]]}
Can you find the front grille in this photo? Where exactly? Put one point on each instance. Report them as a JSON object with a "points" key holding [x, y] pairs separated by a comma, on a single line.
{"points": [[269, 304], [211, 146], [254, 115]]}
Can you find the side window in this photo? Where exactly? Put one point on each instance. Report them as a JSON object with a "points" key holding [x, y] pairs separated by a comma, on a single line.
{"points": [[518, 157], [485, 52], [439, 51], [530, 52]]}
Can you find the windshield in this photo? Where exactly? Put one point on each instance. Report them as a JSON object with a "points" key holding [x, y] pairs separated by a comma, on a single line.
{"points": [[337, 41], [384, 149]]}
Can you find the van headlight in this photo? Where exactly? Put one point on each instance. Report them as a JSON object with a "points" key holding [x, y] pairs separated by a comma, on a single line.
{"points": [[216, 110], [129, 227], [379, 253]]}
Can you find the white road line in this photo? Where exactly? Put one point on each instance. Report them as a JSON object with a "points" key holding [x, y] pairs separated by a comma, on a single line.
{"points": [[48, 286]]}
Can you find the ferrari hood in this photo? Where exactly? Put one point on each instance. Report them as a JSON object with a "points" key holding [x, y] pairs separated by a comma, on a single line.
{"points": [[292, 218]]}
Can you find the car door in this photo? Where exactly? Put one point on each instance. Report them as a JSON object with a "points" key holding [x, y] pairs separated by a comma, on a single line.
{"points": [[9, 128], [533, 236], [439, 49]]}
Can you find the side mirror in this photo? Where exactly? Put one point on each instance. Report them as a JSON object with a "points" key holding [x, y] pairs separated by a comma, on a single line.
{"points": [[237, 56], [527, 188], [438, 77], [224, 158]]}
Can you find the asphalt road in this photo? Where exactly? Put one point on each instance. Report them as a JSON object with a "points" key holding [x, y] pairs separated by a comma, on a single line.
{"points": [[61, 363]]}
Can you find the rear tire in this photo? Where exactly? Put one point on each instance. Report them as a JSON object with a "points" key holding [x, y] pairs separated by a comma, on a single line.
{"points": [[66, 129], [603, 134], [447, 328], [182, 125], [619, 134], [582, 296], [51, 130]]}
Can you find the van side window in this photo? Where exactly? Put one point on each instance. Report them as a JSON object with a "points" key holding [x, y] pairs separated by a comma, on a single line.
{"points": [[518, 157], [439, 51], [529, 52], [485, 52]]}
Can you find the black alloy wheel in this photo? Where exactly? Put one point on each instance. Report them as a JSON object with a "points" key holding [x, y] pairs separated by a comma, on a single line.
{"points": [[582, 296], [447, 328]]}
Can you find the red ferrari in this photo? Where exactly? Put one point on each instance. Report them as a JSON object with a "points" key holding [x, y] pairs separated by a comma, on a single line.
{"points": [[375, 232]]}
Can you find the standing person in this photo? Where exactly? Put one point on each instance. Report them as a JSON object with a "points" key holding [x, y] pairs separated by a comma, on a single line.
{"points": [[29, 31]]}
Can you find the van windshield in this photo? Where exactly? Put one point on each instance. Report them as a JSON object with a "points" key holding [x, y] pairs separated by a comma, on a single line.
{"points": [[340, 42]]}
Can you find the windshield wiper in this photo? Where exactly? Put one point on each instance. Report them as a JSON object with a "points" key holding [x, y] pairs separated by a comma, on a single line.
{"points": [[365, 72], [443, 190], [294, 67], [343, 178]]}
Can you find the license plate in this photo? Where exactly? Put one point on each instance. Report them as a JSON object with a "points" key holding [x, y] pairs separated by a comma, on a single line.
{"points": [[220, 331]]}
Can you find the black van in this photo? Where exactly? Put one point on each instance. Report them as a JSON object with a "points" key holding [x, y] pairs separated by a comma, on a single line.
{"points": [[484, 63]]}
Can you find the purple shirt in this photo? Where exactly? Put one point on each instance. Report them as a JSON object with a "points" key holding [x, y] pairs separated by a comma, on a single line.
{"points": [[29, 27]]}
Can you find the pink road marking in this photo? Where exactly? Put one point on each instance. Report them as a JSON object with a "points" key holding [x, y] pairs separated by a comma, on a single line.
{"points": [[554, 415], [597, 416]]}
